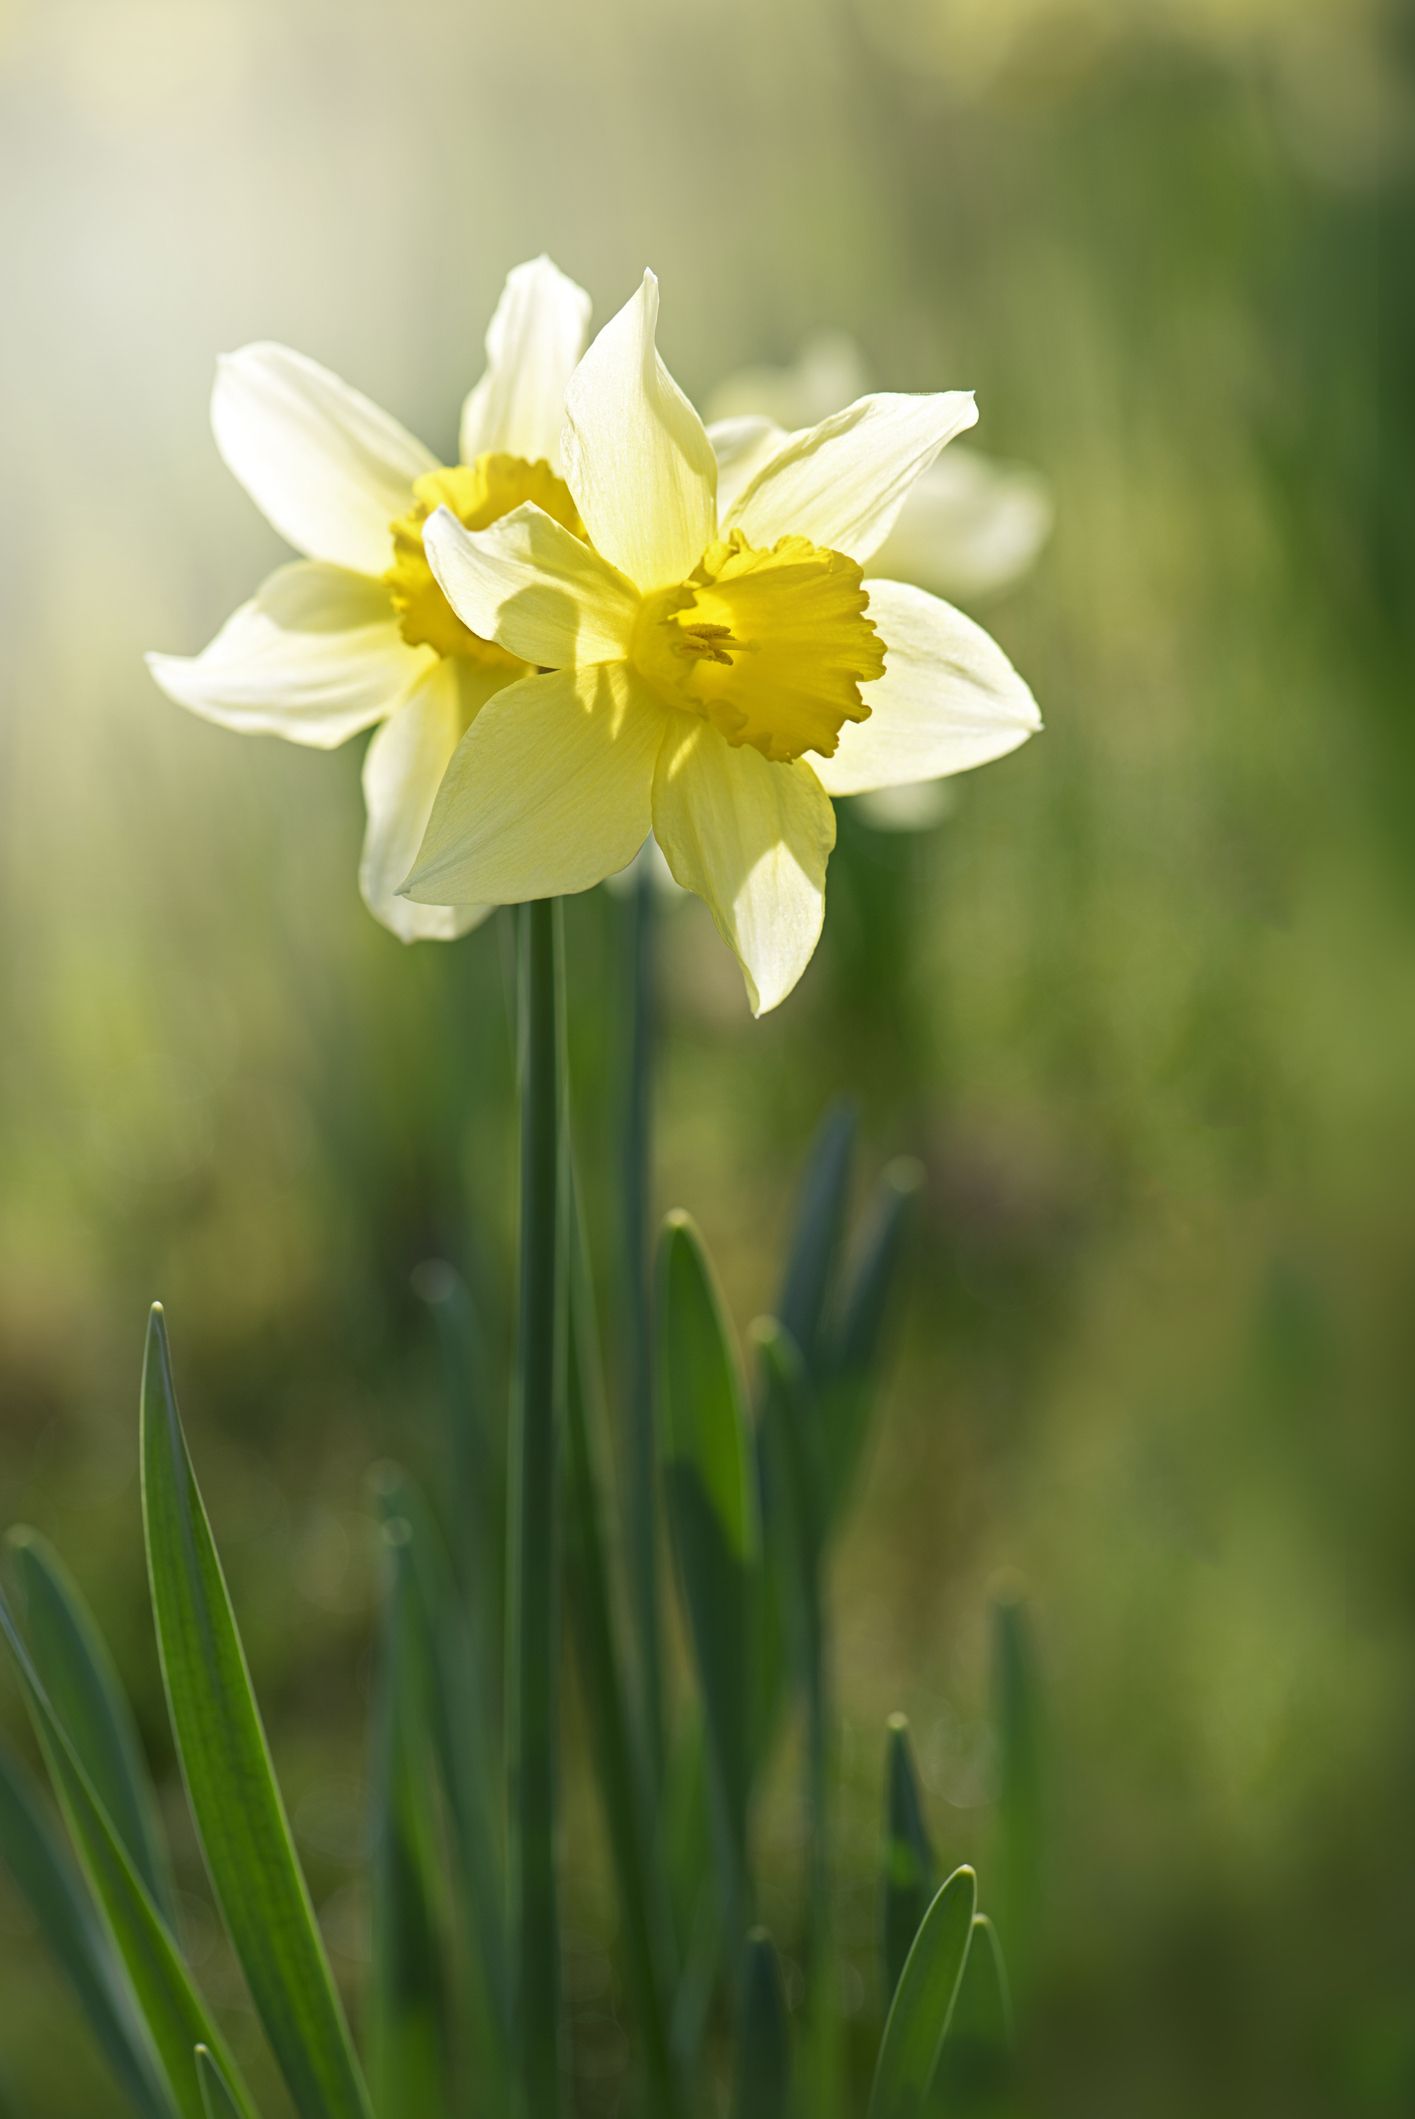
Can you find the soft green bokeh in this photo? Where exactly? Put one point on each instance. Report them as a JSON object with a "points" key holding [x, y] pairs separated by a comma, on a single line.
{"points": [[1144, 1004]]}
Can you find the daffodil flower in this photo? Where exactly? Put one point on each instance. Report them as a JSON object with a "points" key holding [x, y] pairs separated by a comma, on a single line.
{"points": [[713, 674], [357, 634]]}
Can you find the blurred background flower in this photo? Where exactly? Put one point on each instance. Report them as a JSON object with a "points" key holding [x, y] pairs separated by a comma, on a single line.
{"points": [[1144, 1006]]}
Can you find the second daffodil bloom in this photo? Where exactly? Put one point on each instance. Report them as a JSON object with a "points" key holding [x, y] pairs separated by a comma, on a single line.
{"points": [[357, 634], [713, 675]]}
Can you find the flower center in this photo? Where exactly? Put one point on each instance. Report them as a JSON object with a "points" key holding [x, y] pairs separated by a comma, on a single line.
{"points": [[478, 494], [771, 646]]}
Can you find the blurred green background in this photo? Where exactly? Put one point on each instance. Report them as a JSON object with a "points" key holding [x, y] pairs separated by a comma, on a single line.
{"points": [[1143, 1004]]}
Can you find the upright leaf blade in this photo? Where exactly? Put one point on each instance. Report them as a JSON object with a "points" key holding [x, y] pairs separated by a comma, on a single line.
{"points": [[1018, 1852], [215, 2089], [176, 2017], [789, 1438], [975, 2079], [69, 1923], [77, 1672], [762, 2077], [909, 1869], [851, 1373], [713, 1516], [239, 1814], [818, 1232], [923, 2003], [464, 1750], [408, 2040]]}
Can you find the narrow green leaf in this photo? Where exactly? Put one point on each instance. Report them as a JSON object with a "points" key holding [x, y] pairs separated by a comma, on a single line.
{"points": [[173, 2011], [619, 1750], [475, 1431], [818, 1232], [1017, 1856], [976, 2076], [852, 1364], [790, 1445], [762, 2077], [215, 2089], [464, 1756], [923, 2003], [70, 1924], [712, 1510], [226, 1764], [77, 1671], [408, 2039], [909, 1869]]}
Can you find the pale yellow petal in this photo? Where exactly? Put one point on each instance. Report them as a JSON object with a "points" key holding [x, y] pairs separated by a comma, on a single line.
{"points": [[403, 769], [324, 465], [970, 527], [742, 446], [548, 792], [752, 839], [843, 483], [314, 656], [527, 583], [637, 456], [532, 344], [949, 698]]}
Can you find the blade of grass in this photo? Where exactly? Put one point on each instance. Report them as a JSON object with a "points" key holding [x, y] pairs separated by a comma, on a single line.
{"points": [[69, 1922], [407, 2037], [909, 1868], [176, 2017], [851, 1365], [215, 2089], [532, 1656], [712, 1514], [923, 2003], [818, 1232], [762, 2078], [78, 1673], [619, 1752], [236, 1803]]}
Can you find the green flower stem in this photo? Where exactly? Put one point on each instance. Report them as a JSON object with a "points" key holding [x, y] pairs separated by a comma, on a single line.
{"points": [[641, 1444], [533, 1589]]}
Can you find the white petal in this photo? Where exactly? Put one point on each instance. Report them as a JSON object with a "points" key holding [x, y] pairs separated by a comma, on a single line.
{"points": [[532, 345], [548, 792], [403, 769], [742, 447], [528, 583], [324, 465], [970, 526], [637, 456], [949, 698], [314, 656], [752, 839], [843, 482], [829, 372]]}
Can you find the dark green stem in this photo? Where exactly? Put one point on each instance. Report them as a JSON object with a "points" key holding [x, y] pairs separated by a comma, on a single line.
{"points": [[533, 1601], [641, 1440]]}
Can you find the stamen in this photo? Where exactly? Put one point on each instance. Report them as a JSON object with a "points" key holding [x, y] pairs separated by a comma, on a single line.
{"points": [[707, 643]]}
